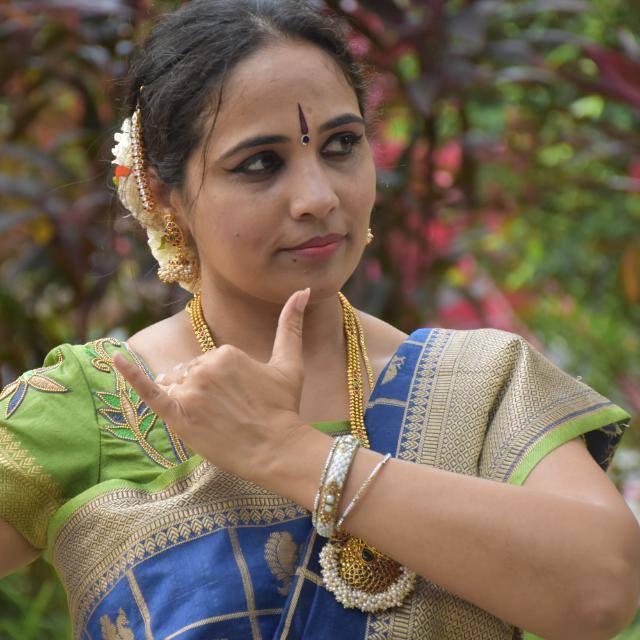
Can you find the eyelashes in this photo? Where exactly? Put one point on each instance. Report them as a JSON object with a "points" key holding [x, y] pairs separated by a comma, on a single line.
{"points": [[266, 163]]}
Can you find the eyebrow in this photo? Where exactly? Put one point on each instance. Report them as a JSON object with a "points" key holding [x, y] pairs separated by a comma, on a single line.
{"points": [[259, 141]]}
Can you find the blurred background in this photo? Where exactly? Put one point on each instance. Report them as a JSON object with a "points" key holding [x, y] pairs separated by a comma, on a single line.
{"points": [[506, 138]]}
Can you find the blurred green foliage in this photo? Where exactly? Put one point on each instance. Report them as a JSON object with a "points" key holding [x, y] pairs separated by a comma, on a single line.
{"points": [[509, 165]]}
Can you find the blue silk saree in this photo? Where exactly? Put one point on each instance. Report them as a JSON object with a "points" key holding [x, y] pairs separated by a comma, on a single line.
{"points": [[151, 542]]}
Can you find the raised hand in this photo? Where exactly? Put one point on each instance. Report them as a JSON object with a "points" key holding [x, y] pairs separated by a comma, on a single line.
{"points": [[231, 409]]}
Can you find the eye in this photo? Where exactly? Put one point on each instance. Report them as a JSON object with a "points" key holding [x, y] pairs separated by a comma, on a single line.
{"points": [[342, 144], [262, 163]]}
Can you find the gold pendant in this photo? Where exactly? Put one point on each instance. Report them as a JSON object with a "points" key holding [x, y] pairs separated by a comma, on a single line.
{"points": [[361, 577]]}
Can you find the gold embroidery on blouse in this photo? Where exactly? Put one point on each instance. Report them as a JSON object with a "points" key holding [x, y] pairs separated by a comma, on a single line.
{"points": [[32, 380], [128, 417]]}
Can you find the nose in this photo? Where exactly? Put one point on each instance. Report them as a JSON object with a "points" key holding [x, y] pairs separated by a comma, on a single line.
{"points": [[312, 193]]}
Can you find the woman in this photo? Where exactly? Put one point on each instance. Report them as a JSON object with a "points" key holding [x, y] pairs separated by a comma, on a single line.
{"points": [[171, 482]]}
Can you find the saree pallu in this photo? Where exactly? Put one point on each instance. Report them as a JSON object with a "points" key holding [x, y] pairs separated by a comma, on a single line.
{"points": [[196, 553]]}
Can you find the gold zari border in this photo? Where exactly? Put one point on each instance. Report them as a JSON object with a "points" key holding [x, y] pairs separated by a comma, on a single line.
{"points": [[115, 531], [30, 497]]}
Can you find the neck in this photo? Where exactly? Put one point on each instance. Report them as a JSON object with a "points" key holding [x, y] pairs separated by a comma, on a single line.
{"points": [[249, 323]]}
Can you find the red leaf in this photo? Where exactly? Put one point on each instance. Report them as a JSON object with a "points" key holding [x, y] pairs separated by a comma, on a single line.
{"points": [[620, 76]]}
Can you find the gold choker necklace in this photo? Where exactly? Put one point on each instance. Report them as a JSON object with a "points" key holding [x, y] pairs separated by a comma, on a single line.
{"points": [[359, 570]]}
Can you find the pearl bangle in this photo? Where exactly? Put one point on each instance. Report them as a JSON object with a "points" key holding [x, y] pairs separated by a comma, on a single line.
{"points": [[323, 478], [327, 500], [361, 491]]}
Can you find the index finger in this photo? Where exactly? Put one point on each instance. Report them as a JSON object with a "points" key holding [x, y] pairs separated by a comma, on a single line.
{"points": [[152, 394]]}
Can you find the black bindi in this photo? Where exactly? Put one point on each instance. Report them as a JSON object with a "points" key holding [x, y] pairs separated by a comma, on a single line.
{"points": [[304, 128]]}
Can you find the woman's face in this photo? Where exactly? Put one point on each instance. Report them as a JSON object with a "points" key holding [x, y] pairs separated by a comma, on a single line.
{"points": [[264, 193]]}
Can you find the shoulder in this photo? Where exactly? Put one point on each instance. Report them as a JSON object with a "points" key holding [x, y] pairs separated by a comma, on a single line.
{"points": [[49, 443], [67, 380], [164, 343], [479, 349], [380, 331], [60, 375], [383, 339], [478, 346]]}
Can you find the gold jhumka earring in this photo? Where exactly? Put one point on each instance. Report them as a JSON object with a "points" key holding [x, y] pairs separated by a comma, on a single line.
{"points": [[370, 236], [181, 268]]}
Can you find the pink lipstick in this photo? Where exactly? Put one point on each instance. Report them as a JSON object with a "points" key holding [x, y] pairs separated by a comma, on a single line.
{"points": [[318, 247]]}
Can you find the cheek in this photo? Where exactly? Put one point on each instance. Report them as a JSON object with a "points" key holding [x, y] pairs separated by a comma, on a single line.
{"points": [[360, 191]]}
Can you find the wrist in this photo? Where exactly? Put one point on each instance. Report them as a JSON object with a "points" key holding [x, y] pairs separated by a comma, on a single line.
{"points": [[295, 465]]}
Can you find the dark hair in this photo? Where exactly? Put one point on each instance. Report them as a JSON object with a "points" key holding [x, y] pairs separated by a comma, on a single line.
{"points": [[190, 52]]}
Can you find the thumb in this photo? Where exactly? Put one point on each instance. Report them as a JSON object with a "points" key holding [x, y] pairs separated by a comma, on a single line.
{"points": [[287, 346]]}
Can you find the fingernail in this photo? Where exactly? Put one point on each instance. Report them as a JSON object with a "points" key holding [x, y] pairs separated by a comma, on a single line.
{"points": [[302, 299], [160, 378]]}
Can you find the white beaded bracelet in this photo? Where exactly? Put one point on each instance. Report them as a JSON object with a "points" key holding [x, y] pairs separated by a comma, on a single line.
{"points": [[361, 491], [338, 467]]}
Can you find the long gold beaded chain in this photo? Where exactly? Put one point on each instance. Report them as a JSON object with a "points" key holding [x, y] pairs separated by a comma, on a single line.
{"points": [[355, 350], [199, 324], [356, 573]]}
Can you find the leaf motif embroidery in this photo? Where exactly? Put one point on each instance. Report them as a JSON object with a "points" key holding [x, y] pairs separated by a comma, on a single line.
{"points": [[281, 553], [128, 417], [17, 390]]}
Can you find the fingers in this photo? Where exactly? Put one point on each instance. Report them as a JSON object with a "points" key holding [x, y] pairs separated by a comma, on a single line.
{"points": [[178, 374], [287, 346], [152, 394]]}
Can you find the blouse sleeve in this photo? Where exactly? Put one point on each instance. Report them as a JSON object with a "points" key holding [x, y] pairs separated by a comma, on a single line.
{"points": [[540, 407], [49, 443]]}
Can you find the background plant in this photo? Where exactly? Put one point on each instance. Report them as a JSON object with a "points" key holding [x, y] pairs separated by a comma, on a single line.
{"points": [[509, 177]]}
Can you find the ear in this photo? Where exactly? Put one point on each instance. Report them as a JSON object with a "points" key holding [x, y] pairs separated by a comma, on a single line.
{"points": [[160, 191], [168, 199]]}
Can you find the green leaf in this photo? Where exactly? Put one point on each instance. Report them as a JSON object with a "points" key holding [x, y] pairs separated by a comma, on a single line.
{"points": [[409, 67], [110, 399], [591, 107], [123, 433], [567, 52], [556, 154], [147, 423]]}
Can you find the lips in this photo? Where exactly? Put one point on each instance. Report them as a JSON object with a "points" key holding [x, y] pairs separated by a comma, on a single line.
{"points": [[319, 241]]}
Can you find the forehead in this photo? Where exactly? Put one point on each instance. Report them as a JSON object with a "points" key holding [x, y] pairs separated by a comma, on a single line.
{"points": [[262, 93]]}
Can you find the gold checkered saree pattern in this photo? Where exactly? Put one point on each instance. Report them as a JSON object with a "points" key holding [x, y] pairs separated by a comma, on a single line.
{"points": [[480, 403]]}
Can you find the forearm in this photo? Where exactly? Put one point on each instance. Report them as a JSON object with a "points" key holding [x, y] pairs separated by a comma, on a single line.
{"points": [[539, 561]]}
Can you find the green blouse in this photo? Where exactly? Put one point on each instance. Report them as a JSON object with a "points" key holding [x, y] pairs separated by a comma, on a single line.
{"points": [[74, 424]]}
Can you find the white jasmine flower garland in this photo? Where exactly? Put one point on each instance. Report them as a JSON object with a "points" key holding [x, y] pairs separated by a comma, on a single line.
{"points": [[127, 189]]}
